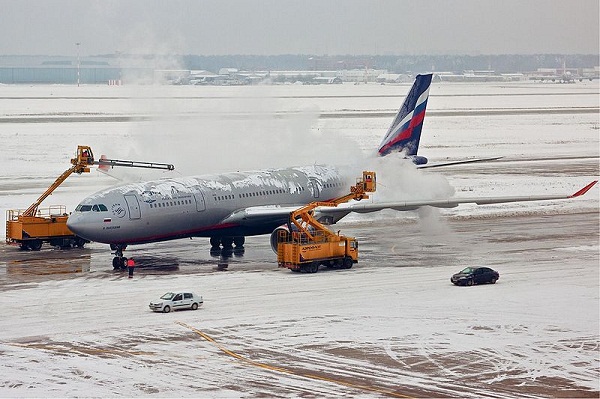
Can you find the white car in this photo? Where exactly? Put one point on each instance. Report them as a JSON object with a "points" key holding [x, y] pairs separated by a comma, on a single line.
{"points": [[175, 301]]}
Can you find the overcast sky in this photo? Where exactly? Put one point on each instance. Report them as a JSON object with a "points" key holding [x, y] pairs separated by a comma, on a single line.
{"points": [[373, 27]]}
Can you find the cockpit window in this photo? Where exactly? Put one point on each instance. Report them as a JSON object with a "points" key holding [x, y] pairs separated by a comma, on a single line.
{"points": [[95, 208]]}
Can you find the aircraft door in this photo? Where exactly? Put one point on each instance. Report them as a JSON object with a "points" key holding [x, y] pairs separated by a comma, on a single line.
{"points": [[313, 185], [199, 197], [133, 205]]}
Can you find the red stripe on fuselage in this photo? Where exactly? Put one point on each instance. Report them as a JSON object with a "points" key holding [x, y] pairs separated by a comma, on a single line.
{"points": [[176, 235]]}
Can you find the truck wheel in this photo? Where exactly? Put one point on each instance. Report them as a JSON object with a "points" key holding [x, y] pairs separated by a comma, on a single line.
{"points": [[167, 309], [194, 306], [35, 245], [314, 267], [347, 263]]}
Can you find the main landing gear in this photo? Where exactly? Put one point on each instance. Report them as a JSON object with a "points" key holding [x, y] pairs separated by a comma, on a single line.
{"points": [[227, 242], [228, 246], [119, 261]]}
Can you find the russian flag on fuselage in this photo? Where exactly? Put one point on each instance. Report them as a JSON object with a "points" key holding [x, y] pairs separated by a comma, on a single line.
{"points": [[405, 131]]}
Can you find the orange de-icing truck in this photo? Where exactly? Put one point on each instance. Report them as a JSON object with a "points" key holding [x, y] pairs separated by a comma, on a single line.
{"points": [[309, 244]]}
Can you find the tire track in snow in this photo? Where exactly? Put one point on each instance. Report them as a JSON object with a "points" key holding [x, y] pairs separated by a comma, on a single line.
{"points": [[290, 371]]}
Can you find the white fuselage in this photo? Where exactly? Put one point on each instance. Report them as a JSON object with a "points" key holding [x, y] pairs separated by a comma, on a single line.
{"points": [[200, 206]]}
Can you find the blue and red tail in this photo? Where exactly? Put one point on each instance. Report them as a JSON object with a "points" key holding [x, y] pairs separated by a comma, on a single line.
{"points": [[405, 132]]}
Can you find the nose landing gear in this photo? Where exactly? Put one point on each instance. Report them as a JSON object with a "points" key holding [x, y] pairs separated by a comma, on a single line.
{"points": [[119, 261]]}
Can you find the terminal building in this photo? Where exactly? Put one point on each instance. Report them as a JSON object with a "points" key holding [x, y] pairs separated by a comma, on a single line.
{"points": [[69, 70], [115, 69]]}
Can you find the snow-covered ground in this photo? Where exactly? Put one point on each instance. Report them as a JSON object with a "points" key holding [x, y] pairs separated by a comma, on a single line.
{"points": [[371, 331]]}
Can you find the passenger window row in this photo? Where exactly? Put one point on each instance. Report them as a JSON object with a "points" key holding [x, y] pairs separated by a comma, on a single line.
{"points": [[170, 203], [260, 193], [248, 195], [268, 192]]}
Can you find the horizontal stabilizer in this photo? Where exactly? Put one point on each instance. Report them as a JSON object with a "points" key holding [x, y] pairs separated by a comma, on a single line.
{"points": [[461, 162]]}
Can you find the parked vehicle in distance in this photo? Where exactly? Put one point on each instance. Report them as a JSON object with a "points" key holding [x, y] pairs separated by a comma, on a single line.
{"points": [[175, 301], [475, 275]]}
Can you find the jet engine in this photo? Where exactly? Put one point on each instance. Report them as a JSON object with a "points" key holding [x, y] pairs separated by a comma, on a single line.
{"points": [[275, 235], [284, 227]]}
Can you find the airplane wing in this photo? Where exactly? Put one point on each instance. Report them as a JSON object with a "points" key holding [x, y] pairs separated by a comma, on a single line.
{"points": [[268, 214], [332, 215], [280, 214]]}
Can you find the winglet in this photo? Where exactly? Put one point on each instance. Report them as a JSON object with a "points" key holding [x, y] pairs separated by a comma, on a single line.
{"points": [[584, 190]]}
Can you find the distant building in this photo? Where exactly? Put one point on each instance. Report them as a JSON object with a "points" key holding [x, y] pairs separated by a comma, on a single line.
{"points": [[326, 80], [59, 70], [360, 75], [67, 70], [393, 78]]}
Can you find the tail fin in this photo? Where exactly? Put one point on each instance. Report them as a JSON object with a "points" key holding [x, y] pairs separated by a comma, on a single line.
{"points": [[405, 131]]}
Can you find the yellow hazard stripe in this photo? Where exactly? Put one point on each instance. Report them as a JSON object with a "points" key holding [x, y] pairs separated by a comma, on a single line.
{"points": [[289, 371]]}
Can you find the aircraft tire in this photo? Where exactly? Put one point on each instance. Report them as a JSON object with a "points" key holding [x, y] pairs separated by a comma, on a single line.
{"points": [[215, 242], [239, 241]]}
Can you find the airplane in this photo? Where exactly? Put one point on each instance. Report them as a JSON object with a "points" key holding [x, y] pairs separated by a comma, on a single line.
{"points": [[561, 76], [228, 207]]}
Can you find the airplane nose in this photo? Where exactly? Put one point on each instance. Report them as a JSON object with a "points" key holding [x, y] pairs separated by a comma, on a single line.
{"points": [[77, 225]]}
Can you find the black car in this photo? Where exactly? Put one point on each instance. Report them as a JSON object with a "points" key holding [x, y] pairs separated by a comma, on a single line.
{"points": [[475, 275]]}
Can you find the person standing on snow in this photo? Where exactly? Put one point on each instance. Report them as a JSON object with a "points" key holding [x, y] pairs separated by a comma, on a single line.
{"points": [[130, 266]]}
